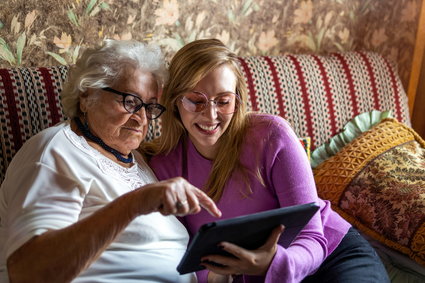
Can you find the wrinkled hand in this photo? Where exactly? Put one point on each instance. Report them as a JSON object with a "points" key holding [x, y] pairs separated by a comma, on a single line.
{"points": [[249, 262], [174, 196]]}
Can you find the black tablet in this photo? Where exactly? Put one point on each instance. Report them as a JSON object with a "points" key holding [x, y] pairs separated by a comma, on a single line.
{"points": [[248, 231]]}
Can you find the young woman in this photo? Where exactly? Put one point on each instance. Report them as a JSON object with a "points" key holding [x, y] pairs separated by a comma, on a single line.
{"points": [[249, 163]]}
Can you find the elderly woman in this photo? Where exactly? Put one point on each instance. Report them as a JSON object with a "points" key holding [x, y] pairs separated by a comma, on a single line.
{"points": [[78, 204]]}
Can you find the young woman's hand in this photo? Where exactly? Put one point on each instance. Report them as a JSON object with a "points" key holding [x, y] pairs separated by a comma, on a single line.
{"points": [[248, 262]]}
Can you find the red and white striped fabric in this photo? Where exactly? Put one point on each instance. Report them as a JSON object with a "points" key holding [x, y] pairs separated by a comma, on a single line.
{"points": [[316, 94], [29, 99]]}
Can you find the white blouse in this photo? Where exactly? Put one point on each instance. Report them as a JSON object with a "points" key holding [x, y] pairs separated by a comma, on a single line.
{"points": [[57, 178]]}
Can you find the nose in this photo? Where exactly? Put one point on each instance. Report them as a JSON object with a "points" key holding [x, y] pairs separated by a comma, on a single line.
{"points": [[210, 109], [141, 113]]}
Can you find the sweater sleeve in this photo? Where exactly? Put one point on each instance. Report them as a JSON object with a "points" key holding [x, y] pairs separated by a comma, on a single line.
{"points": [[289, 174]]}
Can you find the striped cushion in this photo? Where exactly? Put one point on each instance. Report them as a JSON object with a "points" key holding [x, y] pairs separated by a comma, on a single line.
{"points": [[316, 94], [29, 103]]}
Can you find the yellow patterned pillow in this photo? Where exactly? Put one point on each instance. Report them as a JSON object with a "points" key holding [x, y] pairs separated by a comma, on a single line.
{"points": [[377, 183]]}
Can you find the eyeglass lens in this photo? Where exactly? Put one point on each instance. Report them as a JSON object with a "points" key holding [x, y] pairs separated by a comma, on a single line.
{"points": [[225, 103], [133, 104]]}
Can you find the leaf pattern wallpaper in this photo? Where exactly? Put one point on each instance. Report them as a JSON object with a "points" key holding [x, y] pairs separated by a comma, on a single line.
{"points": [[50, 32]]}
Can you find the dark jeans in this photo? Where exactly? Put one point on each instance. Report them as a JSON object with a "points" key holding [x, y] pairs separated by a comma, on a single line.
{"points": [[354, 260]]}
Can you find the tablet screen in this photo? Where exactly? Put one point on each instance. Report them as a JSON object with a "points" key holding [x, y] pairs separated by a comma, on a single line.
{"points": [[248, 231]]}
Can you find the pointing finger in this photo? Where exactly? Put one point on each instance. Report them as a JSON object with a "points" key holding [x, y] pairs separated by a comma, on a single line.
{"points": [[207, 203]]}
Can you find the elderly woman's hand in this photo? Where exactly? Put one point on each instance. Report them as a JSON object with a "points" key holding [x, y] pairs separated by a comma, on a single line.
{"points": [[174, 196]]}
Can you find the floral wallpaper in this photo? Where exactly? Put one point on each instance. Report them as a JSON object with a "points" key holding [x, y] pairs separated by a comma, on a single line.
{"points": [[50, 32]]}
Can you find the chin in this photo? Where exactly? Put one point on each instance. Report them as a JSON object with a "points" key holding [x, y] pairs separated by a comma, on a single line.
{"points": [[132, 144], [136, 146]]}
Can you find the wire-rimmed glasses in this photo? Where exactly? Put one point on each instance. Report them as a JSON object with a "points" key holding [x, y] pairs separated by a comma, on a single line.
{"points": [[196, 101]]}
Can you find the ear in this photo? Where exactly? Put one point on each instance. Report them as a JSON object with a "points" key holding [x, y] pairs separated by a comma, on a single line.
{"points": [[84, 101]]}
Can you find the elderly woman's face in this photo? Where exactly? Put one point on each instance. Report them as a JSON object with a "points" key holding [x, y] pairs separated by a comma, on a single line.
{"points": [[110, 121]]}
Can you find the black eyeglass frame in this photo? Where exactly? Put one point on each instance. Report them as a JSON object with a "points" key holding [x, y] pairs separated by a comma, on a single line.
{"points": [[149, 107]]}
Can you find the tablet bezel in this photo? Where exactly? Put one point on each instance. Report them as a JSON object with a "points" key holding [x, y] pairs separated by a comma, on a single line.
{"points": [[248, 231]]}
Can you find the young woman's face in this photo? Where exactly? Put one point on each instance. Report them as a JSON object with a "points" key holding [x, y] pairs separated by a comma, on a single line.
{"points": [[207, 123], [109, 120]]}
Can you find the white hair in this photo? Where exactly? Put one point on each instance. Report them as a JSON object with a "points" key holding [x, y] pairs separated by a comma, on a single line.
{"points": [[102, 66]]}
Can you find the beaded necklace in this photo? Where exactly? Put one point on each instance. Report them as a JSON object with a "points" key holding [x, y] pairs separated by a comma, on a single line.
{"points": [[84, 128]]}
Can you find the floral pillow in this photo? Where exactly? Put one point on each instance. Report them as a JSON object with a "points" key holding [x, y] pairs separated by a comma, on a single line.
{"points": [[377, 183]]}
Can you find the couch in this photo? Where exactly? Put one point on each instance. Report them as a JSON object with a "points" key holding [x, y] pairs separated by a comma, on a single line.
{"points": [[318, 95]]}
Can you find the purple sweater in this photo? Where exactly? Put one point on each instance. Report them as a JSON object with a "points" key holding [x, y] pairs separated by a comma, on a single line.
{"points": [[272, 146]]}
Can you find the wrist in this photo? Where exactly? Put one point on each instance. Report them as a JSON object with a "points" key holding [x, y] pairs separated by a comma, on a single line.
{"points": [[130, 204]]}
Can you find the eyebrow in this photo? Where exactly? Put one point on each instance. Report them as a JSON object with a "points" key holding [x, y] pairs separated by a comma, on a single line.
{"points": [[219, 93], [150, 100]]}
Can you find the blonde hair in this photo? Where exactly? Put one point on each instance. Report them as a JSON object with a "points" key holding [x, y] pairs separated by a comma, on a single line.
{"points": [[189, 65], [102, 66]]}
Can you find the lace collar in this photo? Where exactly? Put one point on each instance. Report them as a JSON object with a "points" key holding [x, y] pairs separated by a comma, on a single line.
{"points": [[137, 175]]}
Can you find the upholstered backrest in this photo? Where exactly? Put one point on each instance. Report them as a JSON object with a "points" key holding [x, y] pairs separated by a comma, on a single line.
{"points": [[29, 102], [316, 94]]}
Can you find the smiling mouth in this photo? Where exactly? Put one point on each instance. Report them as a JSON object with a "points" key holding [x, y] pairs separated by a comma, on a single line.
{"points": [[208, 129]]}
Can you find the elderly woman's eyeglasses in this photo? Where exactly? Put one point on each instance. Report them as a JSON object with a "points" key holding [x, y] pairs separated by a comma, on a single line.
{"points": [[133, 103], [195, 101]]}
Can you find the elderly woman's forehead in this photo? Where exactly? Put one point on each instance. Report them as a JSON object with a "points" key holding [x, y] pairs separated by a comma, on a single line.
{"points": [[131, 70], [138, 82], [133, 74]]}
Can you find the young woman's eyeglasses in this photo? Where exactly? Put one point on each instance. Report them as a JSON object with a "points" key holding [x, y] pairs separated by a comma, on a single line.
{"points": [[195, 101], [133, 103]]}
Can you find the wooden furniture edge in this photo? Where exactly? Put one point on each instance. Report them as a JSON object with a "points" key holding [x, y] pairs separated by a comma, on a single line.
{"points": [[418, 57]]}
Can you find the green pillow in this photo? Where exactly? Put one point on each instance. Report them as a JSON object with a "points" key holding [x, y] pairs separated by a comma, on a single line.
{"points": [[359, 124]]}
